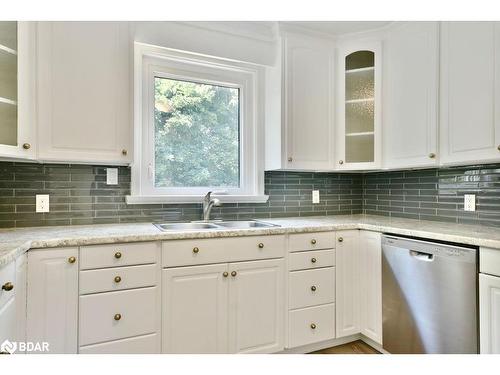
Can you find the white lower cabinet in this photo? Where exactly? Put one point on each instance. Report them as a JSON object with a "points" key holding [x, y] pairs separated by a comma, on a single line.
{"points": [[489, 314], [347, 283], [370, 258], [224, 308], [52, 309], [311, 325], [146, 344]]}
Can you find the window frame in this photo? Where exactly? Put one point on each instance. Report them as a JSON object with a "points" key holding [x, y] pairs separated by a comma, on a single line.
{"points": [[151, 62]]}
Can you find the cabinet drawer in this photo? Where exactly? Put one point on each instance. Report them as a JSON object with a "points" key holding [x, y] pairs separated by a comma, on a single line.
{"points": [[312, 259], [147, 344], [311, 325], [138, 309], [489, 261], [312, 241], [312, 287], [221, 250], [116, 255], [7, 275], [118, 278]]}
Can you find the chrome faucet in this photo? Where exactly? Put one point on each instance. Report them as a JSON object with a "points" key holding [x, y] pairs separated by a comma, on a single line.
{"points": [[208, 203]]}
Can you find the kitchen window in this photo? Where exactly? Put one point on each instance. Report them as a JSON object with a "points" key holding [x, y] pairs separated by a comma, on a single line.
{"points": [[197, 128]]}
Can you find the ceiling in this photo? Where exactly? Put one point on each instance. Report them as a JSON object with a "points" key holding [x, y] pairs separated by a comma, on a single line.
{"points": [[335, 28]]}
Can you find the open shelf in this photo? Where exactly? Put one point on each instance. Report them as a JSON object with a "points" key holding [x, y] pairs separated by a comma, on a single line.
{"points": [[359, 100], [360, 70], [359, 134]]}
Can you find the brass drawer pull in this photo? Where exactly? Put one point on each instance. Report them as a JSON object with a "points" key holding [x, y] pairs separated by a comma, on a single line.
{"points": [[118, 255], [8, 286], [196, 250], [341, 162], [313, 260], [341, 239], [234, 273], [124, 152], [313, 326], [118, 316], [118, 279], [225, 274], [313, 288], [71, 260], [261, 245], [290, 159], [432, 155], [26, 146], [313, 241]]}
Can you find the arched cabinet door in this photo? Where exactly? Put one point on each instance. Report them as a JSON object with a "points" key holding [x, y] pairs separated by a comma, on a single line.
{"points": [[359, 109]]}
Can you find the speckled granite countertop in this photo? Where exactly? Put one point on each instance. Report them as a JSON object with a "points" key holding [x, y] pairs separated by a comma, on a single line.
{"points": [[14, 242]]}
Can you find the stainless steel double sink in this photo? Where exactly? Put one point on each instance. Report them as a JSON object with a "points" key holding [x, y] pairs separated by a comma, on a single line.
{"points": [[214, 225]]}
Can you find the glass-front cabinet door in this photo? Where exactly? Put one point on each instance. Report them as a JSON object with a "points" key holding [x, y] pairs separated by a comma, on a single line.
{"points": [[16, 89], [359, 107]]}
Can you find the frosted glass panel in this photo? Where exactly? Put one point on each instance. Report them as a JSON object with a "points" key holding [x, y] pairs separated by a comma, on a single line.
{"points": [[359, 107], [8, 124], [8, 75], [359, 117], [8, 34]]}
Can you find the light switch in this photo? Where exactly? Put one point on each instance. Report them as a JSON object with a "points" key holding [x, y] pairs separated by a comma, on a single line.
{"points": [[112, 176], [42, 203], [315, 196]]}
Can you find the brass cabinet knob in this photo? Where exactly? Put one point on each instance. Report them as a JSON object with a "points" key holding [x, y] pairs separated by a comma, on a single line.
{"points": [[124, 152], [225, 274], [432, 155], [313, 241], [8, 286], [313, 260], [341, 162], [118, 255], [498, 147], [261, 245], [71, 260], [313, 326], [234, 273], [26, 146], [196, 250], [313, 288], [117, 316], [118, 279], [290, 159], [341, 239]]}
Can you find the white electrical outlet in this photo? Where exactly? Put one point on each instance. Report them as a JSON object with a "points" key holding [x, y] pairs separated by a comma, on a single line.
{"points": [[112, 176], [315, 196], [42, 203], [469, 202]]}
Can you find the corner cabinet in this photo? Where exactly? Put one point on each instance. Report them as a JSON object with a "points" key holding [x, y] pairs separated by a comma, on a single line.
{"points": [[17, 86], [308, 103], [359, 105], [489, 313], [470, 92], [84, 92], [410, 95]]}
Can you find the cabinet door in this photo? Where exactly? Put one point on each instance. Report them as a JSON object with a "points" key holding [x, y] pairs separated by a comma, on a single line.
{"points": [[195, 305], [308, 103], [256, 311], [21, 295], [410, 95], [17, 87], [470, 113], [347, 283], [53, 298], [359, 105], [8, 322], [84, 92], [370, 296], [489, 314]]}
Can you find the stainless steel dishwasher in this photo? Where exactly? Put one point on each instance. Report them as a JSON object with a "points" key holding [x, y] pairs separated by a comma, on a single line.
{"points": [[429, 297]]}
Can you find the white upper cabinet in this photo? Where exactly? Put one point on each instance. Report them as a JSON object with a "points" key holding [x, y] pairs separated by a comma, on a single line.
{"points": [[359, 105], [410, 95], [17, 82], [84, 92], [470, 92], [308, 104]]}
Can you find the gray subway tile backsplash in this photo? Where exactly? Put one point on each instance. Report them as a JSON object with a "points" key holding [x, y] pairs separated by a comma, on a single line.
{"points": [[79, 195]]}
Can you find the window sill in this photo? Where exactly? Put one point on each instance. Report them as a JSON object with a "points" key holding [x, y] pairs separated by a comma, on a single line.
{"points": [[177, 199]]}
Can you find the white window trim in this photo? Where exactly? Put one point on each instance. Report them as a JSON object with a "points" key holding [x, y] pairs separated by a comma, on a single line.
{"points": [[151, 61]]}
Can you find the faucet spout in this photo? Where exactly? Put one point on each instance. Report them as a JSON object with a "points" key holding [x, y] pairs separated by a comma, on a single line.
{"points": [[208, 203]]}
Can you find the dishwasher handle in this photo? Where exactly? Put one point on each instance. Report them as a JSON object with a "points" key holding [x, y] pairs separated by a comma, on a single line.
{"points": [[426, 257]]}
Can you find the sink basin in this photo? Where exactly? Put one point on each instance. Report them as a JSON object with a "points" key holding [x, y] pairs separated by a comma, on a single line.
{"points": [[221, 225], [186, 226], [245, 224]]}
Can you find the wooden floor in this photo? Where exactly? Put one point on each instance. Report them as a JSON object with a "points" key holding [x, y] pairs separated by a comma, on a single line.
{"points": [[355, 347]]}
